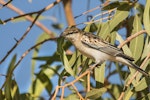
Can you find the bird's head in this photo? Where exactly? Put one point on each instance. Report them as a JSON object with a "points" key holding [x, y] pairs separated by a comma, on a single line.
{"points": [[71, 33]]}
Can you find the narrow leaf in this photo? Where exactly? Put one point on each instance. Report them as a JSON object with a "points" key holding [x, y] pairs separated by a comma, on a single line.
{"points": [[11, 65], [147, 97], [1, 22], [146, 16], [95, 93], [100, 73], [141, 85], [128, 95], [125, 47], [136, 45], [15, 90], [146, 48], [63, 56]]}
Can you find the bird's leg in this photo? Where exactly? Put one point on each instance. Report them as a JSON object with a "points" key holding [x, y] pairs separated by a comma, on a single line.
{"points": [[91, 67]]}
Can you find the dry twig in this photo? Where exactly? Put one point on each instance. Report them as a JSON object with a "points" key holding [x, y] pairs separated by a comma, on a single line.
{"points": [[87, 72]]}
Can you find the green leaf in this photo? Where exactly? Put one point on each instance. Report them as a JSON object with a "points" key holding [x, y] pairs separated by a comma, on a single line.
{"points": [[113, 37], [2, 97], [87, 28], [136, 45], [121, 13], [72, 97], [26, 96], [1, 22], [146, 16], [12, 64], [15, 90], [37, 87], [57, 26], [144, 67], [41, 37], [146, 48], [116, 90], [74, 57], [125, 47], [128, 95], [95, 93], [44, 80], [114, 4], [8, 81], [8, 90], [141, 85], [147, 97], [63, 56], [100, 73]]}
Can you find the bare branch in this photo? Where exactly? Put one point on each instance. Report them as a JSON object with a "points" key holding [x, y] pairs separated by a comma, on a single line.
{"points": [[87, 72], [68, 12], [131, 37], [6, 3]]}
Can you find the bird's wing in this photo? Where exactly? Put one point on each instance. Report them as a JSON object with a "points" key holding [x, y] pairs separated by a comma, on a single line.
{"points": [[95, 42]]}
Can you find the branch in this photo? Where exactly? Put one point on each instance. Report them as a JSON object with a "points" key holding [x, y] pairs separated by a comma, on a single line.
{"points": [[33, 47], [68, 12], [100, 6], [87, 72], [6, 3], [131, 37]]}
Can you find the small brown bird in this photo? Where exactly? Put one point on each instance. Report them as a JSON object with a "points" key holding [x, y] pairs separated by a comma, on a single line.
{"points": [[97, 49]]}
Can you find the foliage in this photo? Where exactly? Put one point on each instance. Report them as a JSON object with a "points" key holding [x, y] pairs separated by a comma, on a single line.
{"points": [[129, 16]]}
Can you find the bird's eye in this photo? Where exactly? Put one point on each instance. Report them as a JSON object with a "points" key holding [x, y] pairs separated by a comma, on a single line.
{"points": [[70, 32]]}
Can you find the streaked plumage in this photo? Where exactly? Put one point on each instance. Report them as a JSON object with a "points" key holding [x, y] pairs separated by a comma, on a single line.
{"points": [[96, 48]]}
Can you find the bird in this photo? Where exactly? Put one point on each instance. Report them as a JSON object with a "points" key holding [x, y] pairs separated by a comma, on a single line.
{"points": [[99, 50]]}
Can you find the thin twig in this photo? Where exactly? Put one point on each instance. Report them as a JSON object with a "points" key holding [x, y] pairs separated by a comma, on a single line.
{"points": [[102, 14], [6, 3], [55, 94], [88, 82], [33, 47], [74, 81], [97, 7], [80, 96], [62, 93], [131, 37], [16, 17], [98, 20]]}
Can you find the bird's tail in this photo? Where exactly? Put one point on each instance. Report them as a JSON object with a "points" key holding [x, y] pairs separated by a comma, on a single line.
{"points": [[132, 65]]}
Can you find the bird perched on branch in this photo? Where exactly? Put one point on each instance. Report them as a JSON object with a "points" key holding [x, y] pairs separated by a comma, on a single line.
{"points": [[97, 49]]}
